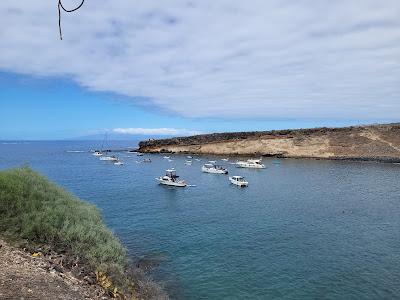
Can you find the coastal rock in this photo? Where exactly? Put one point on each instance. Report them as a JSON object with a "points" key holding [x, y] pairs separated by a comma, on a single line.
{"points": [[374, 142]]}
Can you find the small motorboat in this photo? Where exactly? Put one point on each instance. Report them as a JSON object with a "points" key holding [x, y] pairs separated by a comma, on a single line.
{"points": [[211, 167], [109, 158], [170, 178], [166, 157], [119, 163], [97, 153], [189, 157], [197, 159], [188, 162], [139, 154], [251, 163], [225, 159], [239, 181]]}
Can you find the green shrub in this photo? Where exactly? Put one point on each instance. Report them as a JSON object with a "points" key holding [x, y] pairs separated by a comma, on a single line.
{"points": [[34, 209]]}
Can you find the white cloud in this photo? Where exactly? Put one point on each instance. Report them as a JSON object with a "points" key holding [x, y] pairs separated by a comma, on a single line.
{"points": [[275, 59], [155, 131]]}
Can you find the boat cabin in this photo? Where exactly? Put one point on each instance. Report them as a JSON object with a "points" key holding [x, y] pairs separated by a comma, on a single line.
{"points": [[171, 173], [254, 161], [213, 164]]}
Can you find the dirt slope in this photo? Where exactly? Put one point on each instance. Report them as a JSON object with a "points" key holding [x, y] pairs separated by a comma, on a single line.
{"points": [[23, 276]]}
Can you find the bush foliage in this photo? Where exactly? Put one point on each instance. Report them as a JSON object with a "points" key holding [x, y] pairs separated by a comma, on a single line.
{"points": [[34, 209]]}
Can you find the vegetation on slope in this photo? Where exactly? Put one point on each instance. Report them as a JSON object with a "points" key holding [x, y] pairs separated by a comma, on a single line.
{"points": [[35, 210]]}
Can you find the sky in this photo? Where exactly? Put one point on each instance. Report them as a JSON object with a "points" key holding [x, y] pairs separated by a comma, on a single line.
{"points": [[188, 67]]}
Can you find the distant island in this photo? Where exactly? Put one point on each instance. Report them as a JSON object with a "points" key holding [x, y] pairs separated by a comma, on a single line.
{"points": [[370, 142]]}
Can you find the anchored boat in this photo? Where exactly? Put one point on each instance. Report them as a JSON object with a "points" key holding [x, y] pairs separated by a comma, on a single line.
{"points": [[211, 167], [109, 158], [97, 153], [251, 163], [170, 178], [239, 181]]}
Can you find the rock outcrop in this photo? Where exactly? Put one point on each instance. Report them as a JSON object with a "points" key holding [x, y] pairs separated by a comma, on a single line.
{"points": [[373, 142]]}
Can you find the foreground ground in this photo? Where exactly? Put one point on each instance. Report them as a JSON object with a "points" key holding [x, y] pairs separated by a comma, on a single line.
{"points": [[23, 276]]}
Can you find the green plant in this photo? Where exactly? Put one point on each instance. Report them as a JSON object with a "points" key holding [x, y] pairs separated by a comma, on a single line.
{"points": [[35, 210]]}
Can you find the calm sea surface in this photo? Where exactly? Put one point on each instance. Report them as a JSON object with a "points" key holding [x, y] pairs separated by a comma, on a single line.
{"points": [[303, 229]]}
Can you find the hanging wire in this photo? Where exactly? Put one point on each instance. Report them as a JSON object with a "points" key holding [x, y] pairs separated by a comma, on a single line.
{"points": [[60, 6]]}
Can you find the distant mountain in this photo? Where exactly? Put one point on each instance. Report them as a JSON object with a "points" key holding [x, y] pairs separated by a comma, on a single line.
{"points": [[118, 137]]}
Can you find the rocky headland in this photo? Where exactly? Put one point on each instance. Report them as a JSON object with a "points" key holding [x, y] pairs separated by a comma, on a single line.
{"points": [[372, 142]]}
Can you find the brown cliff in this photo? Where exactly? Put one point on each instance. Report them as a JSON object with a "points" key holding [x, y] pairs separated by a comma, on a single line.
{"points": [[373, 142]]}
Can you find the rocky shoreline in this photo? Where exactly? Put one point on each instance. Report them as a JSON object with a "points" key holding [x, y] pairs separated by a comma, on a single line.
{"points": [[379, 143]]}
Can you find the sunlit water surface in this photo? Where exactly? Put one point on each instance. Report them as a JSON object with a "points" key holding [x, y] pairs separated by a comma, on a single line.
{"points": [[303, 229]]}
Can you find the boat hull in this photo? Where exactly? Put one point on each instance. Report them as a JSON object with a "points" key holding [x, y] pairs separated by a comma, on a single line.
{"points": [[171, 183], [214, 171], [238, 183], [250, 166], [108, 158]]}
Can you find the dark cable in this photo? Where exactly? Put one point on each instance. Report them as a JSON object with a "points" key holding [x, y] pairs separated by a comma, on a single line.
{"points": [[66, 10]]}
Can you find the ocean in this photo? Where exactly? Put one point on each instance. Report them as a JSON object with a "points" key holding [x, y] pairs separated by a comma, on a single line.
{"points": [[302, 229]]}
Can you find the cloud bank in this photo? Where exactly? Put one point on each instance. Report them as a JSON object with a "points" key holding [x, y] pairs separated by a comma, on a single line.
{"points": [[228, 59]]}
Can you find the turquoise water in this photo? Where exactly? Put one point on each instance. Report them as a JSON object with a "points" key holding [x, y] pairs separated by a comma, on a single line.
{"points": [[303, 229]]}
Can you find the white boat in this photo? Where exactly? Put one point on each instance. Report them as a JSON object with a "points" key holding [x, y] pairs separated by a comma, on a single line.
{"points": [[251, 163], [238, 180], [170, 178], [213, 168], [166, 157], [188, 162], [97, 153], [109, 158], [139, 154], [197, 159], [225, 159], [189, 157], [119, 163]]}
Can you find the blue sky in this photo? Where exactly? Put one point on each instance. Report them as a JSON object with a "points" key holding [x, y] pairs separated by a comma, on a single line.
{"points": [[188, 67]]}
